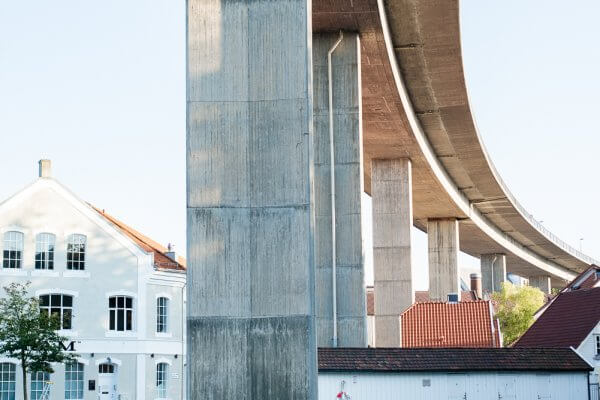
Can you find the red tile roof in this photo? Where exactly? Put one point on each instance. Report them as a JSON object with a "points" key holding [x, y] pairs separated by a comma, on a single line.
{"points": [[464, 324], [566, 321], [420, 297], [454, 359], [161, 260]]}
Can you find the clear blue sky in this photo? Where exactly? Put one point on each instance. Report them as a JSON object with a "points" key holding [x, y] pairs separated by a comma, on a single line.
{"points": [[99, 87]]}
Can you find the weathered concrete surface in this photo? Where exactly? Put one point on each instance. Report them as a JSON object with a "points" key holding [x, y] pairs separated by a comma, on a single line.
{"points": [[493, 272], [442, 235], [350, 293], [251, 331], [392, 222], [542, 282]]}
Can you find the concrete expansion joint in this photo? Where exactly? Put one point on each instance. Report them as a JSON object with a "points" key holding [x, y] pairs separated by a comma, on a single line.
{"points": [[408, 46], [301, 206], [274, 100], [239, 318], [427, 112]]}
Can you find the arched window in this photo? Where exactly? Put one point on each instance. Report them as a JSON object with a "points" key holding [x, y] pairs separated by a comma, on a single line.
{"points": [[162, 372], [44, 251], [73, 381], [76, 252], [60, 305], [120, 310], [13, 250], [39, 380], [7, 381], [162, 315]]}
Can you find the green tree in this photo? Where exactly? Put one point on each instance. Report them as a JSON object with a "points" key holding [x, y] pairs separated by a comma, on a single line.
{"points": [[515, 307], [28, 335]]}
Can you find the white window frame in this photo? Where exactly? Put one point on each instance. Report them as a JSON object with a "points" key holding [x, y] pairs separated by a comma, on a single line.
{"points": [[62, 307], [162, 314], [10, 239], [76, 393], [597, 345], [45, 245], [116, 308], [37, 384], [79, 264], [10, 391], [162, 376]]}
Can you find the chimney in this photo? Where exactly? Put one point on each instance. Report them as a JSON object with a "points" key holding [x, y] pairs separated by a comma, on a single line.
{"points": [[45, 168], [476, 285], [171, 252]]}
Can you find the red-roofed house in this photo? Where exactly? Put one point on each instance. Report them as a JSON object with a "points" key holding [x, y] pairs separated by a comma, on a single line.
{"points": [[572, 319], [420, 297], [462, 324]]}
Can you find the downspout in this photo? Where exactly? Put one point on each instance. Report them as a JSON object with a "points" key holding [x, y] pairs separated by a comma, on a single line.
{"points": [[493, 262], [332, 169]]}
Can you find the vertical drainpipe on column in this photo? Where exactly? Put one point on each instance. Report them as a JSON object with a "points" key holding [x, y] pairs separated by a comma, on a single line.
{"points": [[492, 274], [332, 155]]}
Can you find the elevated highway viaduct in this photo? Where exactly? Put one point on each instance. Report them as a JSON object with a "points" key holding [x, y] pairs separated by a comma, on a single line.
{"points": [[294, 109]]}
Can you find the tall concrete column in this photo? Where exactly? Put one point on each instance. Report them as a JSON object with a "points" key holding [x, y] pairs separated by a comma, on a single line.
{"points": [[542, 282], [443, 247], [391, 190], [493, 272], [350, 328], [250, 315]]}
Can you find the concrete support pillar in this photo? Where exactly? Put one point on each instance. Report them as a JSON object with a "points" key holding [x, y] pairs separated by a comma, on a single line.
{"points": [[391, 189], [443, 249], [350, 328], [493, 272], [542, 282], [250, 220]]}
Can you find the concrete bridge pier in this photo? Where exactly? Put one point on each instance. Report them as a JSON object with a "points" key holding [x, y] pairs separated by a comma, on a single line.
{"points": [[339, 236], [542, 282], [391, 191], [250, 219], [443, 248], [493, 272]]}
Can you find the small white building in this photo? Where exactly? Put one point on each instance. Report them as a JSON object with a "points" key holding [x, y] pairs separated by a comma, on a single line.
{"points": [[571, 319], [121, 297], [452, 374]]}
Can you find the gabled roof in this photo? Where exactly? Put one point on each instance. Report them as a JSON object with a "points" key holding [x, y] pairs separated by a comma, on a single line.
{"points": [[161, 260], [420, 297], [566, 322], [444, 360], [463, 324], [586, 280]]}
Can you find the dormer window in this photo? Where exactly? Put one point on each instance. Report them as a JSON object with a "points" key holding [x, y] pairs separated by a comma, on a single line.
{"points": [[12, 256], [76, 252], [44, 251]]}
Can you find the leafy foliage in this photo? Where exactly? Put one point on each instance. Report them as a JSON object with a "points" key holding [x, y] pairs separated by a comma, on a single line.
{"points": [[28, 335], [516, 306]]}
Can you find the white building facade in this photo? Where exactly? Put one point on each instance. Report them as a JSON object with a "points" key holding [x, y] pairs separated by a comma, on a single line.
{"points": [[121, 305]]}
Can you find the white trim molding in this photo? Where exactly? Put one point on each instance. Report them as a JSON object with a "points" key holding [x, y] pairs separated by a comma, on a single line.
{"points": [[163, 360], [121, 293], [13, 272], [42, 292], [163, 294], [73, 273], [109, 360], [47, 273]]}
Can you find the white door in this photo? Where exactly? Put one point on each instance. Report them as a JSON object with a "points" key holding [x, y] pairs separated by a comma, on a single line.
{"points": [[107, 381], [457, 387]]}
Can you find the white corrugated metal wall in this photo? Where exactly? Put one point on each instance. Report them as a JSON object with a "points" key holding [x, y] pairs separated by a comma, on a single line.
{"points": [[451, 386]]}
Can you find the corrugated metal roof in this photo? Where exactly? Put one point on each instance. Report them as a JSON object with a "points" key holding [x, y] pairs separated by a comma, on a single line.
{"points": [[464, 324]]}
